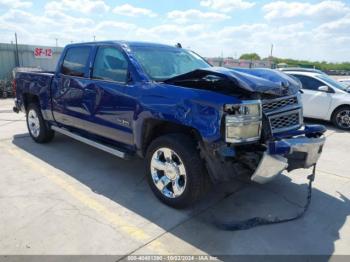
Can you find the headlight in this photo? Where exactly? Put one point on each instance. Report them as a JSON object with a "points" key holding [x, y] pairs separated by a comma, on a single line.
{"points": [[243, 122]]}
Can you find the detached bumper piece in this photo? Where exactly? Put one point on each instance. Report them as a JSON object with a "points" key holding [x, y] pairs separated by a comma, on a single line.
{"points": [[289, 154], [269, 167]]}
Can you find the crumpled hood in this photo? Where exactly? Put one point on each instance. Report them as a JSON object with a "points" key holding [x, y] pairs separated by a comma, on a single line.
{"points": [[263, 81]]}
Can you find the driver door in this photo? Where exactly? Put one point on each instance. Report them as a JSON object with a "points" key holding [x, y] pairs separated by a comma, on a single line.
{"points": [[316, 103]]}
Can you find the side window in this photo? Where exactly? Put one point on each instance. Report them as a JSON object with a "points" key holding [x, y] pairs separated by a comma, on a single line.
{"points": [[110, 64], [309, 83], [75, 61]]}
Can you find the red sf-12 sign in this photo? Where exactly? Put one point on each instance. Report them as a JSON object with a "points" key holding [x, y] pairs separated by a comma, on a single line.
{"points": [[40, 52]]}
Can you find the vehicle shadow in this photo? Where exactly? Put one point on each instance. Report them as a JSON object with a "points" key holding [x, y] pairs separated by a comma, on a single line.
{"points": [[124, 183]]}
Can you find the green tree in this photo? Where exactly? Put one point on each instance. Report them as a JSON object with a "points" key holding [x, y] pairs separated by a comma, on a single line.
{"points": [[323, 65], [250, 56]]}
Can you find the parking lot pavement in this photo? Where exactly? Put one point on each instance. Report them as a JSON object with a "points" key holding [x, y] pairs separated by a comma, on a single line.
{"points": [[68, 198]]}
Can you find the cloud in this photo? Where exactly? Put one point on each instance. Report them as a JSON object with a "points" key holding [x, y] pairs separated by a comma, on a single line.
{"points": [[183, 17], [43, 29], [114, 25], [321, 40], [15, 3], [20, 18], [64, 20], [84, 6], [227, 5], [290, 41], [170, 33], [129, 10], [322, 11], [339, 27]]}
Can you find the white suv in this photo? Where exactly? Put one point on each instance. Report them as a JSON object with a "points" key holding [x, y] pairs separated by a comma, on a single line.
{"points": [[324, 98]]}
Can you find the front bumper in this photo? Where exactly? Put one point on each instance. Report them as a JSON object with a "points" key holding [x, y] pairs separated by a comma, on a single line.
{"points": [[289, 154]]}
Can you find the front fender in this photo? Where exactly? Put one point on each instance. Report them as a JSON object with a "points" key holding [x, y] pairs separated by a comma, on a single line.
{"points": [[200, 110]]}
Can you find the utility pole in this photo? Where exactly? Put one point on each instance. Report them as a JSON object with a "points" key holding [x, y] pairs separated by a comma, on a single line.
{"points": [[271, 50], [16, 51], [271, 57], [222, 58], [56, 42]]}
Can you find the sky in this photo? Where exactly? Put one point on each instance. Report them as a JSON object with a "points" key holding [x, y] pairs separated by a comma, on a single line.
{"points": [[310, 30]]}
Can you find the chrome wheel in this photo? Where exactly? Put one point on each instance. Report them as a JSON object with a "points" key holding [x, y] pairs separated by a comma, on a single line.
{"points": [[33, 123], [343, 119], [168, 172]]}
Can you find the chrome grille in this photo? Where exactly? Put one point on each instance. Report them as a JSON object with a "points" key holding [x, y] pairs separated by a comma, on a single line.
{"points": [[285, 121], [269, 106], [283, 113]]}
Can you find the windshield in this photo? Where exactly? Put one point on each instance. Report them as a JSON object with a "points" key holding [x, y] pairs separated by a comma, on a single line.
{"points": [[333, 82], [346, 82], [163, 63]]}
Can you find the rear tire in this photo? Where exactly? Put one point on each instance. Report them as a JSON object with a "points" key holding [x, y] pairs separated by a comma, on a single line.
{"points": [[176, 173], [341, 118], [38, 128]]}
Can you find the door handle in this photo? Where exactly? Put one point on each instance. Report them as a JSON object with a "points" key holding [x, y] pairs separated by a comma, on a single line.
{"points": [[89, 91], [66, 83]]}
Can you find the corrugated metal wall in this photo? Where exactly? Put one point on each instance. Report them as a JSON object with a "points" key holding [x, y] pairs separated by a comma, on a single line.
{"points": [[26, 58]]}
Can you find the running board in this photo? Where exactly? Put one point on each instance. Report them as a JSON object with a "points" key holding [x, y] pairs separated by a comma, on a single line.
{"points": [[100, 146]]}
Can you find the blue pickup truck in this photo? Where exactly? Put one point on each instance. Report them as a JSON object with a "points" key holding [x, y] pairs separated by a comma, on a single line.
{"points": [[195, 124]]}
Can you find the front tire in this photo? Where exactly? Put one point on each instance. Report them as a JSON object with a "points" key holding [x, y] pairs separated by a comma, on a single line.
{"points": [[37, 126], [176, 173], [341, 118]]}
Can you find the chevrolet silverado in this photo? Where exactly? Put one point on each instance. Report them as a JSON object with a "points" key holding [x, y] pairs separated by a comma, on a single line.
{"points": [[195, 124]]}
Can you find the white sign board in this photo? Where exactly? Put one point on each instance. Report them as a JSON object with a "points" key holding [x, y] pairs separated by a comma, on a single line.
{"points": [[40, 52]]}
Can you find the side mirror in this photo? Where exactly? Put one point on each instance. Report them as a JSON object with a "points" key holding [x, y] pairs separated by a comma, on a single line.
{"points": [[324, 89]]}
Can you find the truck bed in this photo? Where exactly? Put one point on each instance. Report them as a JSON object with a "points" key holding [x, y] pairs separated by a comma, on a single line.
{"points": [[46, 73], [33, 84]]}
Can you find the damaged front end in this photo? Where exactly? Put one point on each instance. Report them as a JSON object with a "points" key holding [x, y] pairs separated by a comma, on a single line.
{"points": [[263, 161], [264, 137], [248, 83], [261, 135], [302, 151]]}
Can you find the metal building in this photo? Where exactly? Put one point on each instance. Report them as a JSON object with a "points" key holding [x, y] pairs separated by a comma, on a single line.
{"points": [[26, 58]]}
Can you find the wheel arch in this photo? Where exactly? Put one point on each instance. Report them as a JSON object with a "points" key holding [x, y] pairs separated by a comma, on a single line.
{"points": [[337, 108], [29, 98], [153, 128]]}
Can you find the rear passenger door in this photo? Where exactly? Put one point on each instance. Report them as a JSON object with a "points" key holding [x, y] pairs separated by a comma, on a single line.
{"points": [[69, 91], [109, 106]]}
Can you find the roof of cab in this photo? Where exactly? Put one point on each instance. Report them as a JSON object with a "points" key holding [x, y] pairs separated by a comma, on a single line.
{"points": [[122, 42]]}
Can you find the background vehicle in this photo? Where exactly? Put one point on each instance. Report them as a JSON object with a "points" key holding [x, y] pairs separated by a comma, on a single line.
{"points": [[190, 121], [5, 89], [301, 69], [324, 98], [345, 81]]}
